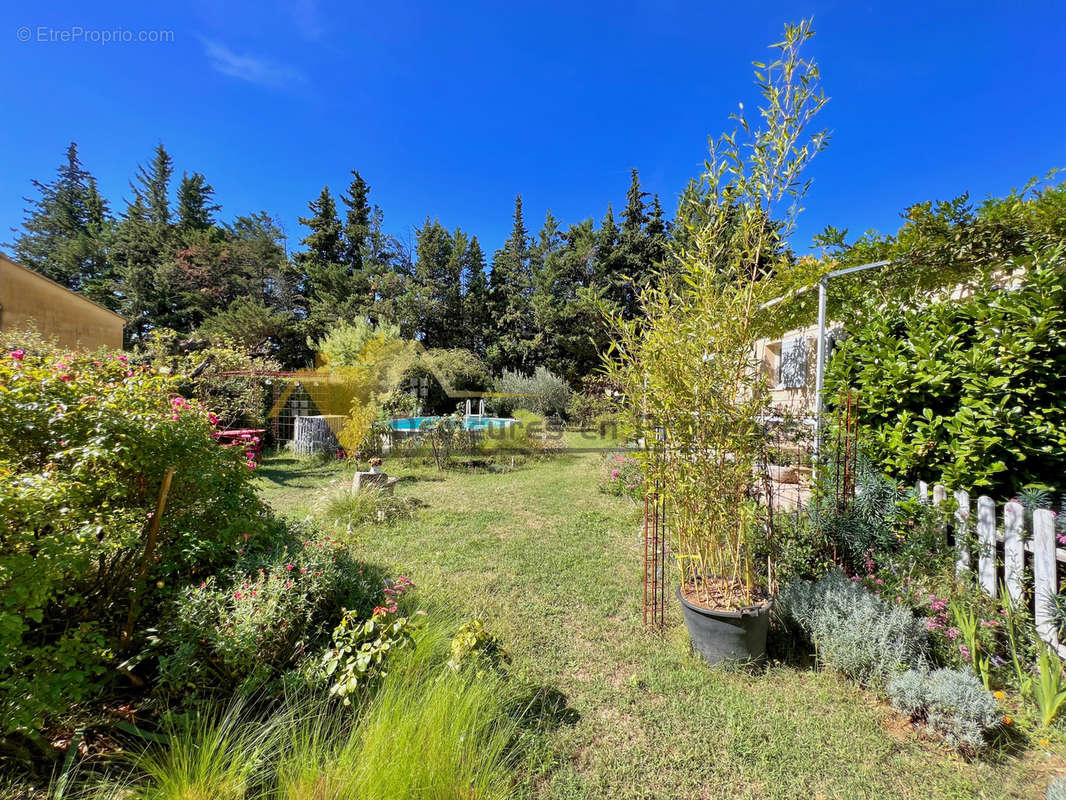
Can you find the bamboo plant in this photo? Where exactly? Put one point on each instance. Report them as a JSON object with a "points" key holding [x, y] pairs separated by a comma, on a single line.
{"points": [[688, 365]]}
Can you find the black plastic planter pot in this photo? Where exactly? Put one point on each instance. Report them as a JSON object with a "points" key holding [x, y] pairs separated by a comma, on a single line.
{"points": [[726, 635]]}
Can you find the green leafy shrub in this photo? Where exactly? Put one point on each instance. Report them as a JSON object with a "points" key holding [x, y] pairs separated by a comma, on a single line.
{"points": [[967, 392], [474, 644], [84, 446], [855, 631], [359, 655], [951, 703], [543, 393], [443, 371], [244, 629], [598, 399]]}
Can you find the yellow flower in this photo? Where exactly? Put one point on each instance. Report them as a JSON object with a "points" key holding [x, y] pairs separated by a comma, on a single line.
{"points": [[1044, 742], [1007, 720], [998, 695]]}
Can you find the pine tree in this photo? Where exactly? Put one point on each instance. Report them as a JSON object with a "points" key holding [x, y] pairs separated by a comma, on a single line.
{"points": [[195, 207], [332, 294], [64, 233], [356, 232], [153, 186], [609, 263], [510, 300]]}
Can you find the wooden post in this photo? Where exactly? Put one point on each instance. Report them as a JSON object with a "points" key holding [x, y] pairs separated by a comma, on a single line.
{"points": [[986, 544], [149, 549], [1045, 574], [962, 529], [1013, 549]]}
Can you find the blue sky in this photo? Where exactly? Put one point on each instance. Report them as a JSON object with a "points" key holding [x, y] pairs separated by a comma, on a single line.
{"points": [[449, 109]]}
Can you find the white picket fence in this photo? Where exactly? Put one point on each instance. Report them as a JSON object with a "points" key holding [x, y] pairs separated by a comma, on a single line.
{"points": [[1003, 545]]}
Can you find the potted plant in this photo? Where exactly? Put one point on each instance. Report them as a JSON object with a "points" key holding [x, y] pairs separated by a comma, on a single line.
{"points": [[689, 369], [375, 465]]}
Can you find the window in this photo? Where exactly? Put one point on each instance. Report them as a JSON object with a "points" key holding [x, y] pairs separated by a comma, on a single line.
{"points": [[792, 366]]}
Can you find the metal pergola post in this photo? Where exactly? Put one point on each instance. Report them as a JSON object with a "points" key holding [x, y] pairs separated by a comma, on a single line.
{"points": [[819, 376]]}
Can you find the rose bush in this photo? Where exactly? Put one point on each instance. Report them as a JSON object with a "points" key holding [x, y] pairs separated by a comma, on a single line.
{"points": [[85, 442]]}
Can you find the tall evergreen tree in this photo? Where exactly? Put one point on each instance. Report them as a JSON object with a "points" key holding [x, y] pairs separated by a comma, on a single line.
{"points": [[196, 208], [434, 247], [356, 233], [476, 314], [65, 230], [510, 300]]}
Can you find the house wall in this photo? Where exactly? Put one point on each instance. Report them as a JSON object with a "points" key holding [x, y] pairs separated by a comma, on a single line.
{"points": [[792, 388], [27, 298]]}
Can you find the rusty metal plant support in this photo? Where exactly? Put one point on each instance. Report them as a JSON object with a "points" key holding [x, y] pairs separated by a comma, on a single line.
{"points": [[845, 459], [654, 562]]}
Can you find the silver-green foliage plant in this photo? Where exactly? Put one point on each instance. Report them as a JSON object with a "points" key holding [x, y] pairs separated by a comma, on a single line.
{"points": [[688, 365], [854, 631], [952, 704], [543, 392], [1056, 788]]}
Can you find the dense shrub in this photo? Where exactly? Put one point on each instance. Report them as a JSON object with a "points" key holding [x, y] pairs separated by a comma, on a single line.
{"points": [[598, 399], [445, 371], [84, 446], [205, 373], [967, 392], [246, 627], [542, 393], [951, 703], [854, 630]]}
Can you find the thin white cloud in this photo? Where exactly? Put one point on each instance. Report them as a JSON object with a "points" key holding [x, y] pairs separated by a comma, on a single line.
{"points": [[252, 69], [307, 17]]}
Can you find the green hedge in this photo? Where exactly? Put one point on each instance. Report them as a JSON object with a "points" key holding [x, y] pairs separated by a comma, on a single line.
{"points": [[971, 393]]}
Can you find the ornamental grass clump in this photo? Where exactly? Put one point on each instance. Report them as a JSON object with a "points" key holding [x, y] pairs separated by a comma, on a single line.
{"points": [[688, 367]]}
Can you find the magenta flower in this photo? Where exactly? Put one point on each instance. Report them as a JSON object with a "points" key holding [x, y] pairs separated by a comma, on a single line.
{"points": [[290, 567], [933, 624], [964, 650], [952, 633], [18, 355], [212, 419], [65, 378], [614, 474], [123, 359]]}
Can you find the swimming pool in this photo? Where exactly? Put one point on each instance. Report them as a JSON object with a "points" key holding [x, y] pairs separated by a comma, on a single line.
{"points": [[415, 424]]}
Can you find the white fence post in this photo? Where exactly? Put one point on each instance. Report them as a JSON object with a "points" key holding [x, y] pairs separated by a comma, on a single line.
{"points": [[1013, 550], [986, 544], [962, 527], [923, 492], [1045, 574]]}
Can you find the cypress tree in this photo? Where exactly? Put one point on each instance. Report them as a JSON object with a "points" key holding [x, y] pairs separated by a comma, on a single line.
{"points": [[510, 300], [476, 314], [195, 207]]}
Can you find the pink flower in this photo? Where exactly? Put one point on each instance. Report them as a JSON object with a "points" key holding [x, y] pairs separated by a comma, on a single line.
{"points": [[952, 633], [129, 373], [255, 439], [855, 579], [379, 611], [212, 419], [290, 567], [964, 650], [933, 624], [303, 569], [123, 359], [879, 582], [203, 584], [237, 595], [64, 378], [250, 464], [614, 474], [98, 363], [18, 355]]}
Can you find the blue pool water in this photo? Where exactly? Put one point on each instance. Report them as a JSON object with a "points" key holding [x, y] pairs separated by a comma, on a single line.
{"points": [[414, 424]]}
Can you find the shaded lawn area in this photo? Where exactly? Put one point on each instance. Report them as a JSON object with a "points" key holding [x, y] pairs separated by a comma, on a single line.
{"points": [[553, 568]]}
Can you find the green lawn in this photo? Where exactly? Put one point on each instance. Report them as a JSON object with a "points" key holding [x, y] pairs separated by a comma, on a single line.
{"points": [[553, 568]]}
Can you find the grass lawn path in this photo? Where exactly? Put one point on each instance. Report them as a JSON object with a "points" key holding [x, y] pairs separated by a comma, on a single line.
{"points": [[553, 567]]}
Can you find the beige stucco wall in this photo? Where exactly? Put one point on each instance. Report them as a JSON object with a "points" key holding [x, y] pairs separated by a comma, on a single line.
{"points": [[28, 298]]}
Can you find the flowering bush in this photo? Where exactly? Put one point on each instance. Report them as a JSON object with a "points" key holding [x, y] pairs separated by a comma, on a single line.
{"points": [[622, 476], [246, 628], [85, 443]]}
